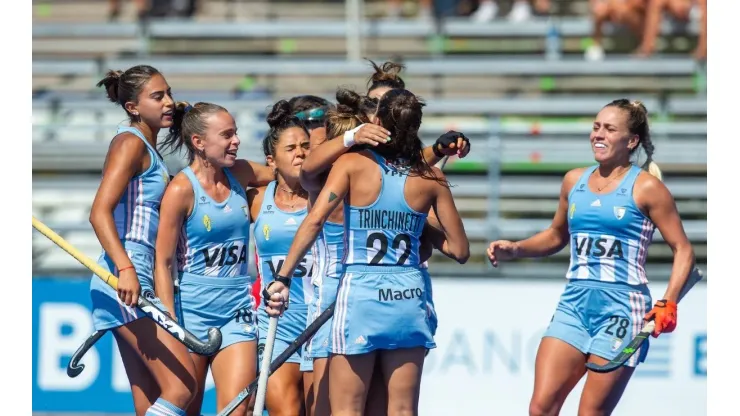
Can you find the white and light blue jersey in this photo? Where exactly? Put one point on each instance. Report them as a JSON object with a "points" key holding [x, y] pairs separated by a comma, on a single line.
{"points": [[328, 252], [137, 214], [214, 240], [609, 235], [274, 231], [387, 231]]}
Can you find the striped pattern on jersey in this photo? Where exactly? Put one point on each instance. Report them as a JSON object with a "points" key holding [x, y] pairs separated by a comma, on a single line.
{"points": [[137, 214], [609, 235], [214, 240], [387, 231]]}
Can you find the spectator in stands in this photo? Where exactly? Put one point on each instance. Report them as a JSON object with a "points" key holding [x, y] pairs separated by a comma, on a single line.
{"points": [[520, 12], [630, 13], [395, 7], [680, 10], [142, 7]]}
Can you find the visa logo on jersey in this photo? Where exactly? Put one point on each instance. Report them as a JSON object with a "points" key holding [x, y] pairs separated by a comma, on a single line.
{"points": [[227, 254], [608, 247], [303, 269]]}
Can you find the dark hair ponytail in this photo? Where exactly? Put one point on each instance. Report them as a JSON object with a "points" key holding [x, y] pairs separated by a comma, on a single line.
{"points": [[400, 112]]}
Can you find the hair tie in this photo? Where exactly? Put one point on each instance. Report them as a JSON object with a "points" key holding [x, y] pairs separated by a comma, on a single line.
{"points": [[187, 108]]}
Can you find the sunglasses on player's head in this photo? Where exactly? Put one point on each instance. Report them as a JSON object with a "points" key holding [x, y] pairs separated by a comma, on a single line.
{"points": [[313, 118]]}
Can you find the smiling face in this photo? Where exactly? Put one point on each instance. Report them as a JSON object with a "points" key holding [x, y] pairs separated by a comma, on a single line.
{"points": [[154, 104], [219, 141], [291, 149], [611, 139]]}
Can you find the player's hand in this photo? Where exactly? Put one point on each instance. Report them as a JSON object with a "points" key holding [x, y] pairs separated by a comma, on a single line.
{"points": [[452, 143], [665, 315], [501, 250], [371, 134], [129, 288], [276, 299]]}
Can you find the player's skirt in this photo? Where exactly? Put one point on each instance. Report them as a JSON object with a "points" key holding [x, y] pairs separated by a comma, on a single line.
{"points": [[225, 303], [601, 317], [381, 308]]}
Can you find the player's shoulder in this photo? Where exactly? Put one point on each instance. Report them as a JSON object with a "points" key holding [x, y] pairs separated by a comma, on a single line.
{"points": [[127, 143], [180, 185]]}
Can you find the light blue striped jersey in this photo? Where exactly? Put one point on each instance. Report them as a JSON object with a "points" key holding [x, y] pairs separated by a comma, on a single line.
{"points": [[387, 231], [274, 231], [328, 251], [609, 234], [214, 240], [137, 214]]}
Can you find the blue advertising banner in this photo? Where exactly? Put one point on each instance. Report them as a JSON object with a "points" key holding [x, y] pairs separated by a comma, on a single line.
{"points": [[62, 320]]}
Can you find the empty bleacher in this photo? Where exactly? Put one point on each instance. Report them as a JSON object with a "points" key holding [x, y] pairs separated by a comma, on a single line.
{"points": [[528, 118]]}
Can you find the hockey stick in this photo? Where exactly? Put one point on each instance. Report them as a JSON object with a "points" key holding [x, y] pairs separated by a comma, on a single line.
{"points": [[281, 359], [259, 404], [74, 368], [191, 341], [631, 348]]}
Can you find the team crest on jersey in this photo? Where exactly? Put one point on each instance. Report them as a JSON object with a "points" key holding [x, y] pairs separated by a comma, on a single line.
{"points": [[207, 222], [572, 210], [166, 177], [266, 231], [619, 212]]}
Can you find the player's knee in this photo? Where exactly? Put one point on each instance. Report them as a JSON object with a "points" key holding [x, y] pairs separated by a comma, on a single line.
{"points": [[542, 407], [181, 393]]}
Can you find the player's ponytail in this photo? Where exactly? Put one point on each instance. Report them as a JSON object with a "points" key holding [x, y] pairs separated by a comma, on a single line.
{"points": [[352, 109], [638, 124], [187, 121], [110, 82], [386, 75], [122, 87]]}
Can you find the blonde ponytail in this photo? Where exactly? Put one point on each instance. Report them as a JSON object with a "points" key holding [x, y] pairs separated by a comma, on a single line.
{"points": [[653, 169]]}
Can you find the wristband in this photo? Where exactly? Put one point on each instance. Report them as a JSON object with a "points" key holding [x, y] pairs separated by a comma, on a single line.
{"points": [[284, 280], [125, 268], [349, 136]]}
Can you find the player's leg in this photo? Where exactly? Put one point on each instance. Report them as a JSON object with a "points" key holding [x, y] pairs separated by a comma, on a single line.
{"points": [[321, 387], [561, 356], [201, 373], [166, 359], [233, 368], [349, 381], [377, 395], [144, 388], [402, 370], [284, 396], [558, 368], [308, 394], [602, 392]]}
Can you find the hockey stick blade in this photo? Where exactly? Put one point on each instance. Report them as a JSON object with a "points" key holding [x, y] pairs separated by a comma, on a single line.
{"points": [[74, 368], [281, 359], [632, 347], [168, 324]]}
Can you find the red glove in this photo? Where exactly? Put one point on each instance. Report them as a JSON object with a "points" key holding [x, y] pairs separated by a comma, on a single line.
{"points": [[665, 315]]}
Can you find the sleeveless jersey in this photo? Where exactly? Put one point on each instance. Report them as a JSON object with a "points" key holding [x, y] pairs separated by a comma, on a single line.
{"points": [[274, 231], [609, 235], [328, 251], [387, 231], [137, 214], [214, 240]]}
